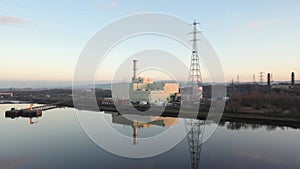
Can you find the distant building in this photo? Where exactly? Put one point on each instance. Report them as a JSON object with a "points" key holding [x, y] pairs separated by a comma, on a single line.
{"points": [[207, 91], [7, 94], [233, 89], [282, 86]]}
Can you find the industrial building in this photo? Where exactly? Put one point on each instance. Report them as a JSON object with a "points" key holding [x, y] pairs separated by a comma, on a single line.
{"points": [[248, 88], [144, 90], [6, 94]]}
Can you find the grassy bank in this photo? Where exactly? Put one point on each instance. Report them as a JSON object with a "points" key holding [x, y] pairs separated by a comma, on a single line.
{"points": [[278, 107]]}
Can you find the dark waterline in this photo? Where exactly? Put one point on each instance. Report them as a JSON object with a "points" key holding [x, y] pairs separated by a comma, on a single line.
{"points": [[58, 141]]}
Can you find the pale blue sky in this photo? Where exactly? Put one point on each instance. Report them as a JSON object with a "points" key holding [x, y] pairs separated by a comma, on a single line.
{"points": [[42, 39]]}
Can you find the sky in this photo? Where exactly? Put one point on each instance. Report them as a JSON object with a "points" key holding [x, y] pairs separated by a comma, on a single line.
{"points": [[41, 40]]}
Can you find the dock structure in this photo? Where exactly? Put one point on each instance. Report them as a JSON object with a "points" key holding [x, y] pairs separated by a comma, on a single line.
{"points": [[28, 112], [13, 113], [44, 107]]}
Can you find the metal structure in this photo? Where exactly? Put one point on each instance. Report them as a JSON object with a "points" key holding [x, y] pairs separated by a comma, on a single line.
{"points": [[195, 78], [195, 132], [194, 127], [261, 77]]}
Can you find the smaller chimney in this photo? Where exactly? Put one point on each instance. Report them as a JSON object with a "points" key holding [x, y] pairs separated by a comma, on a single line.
{"points": [[135, 69], [293, 79], [269, 79]]}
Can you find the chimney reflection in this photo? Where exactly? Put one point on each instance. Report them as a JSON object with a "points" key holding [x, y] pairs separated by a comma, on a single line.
{"points": [[194, 128], [137, 124]]}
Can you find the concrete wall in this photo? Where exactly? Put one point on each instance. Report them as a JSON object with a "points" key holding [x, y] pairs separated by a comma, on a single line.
{"points": [[137, 96], [157, 96], [170, 88], [121, 91]]}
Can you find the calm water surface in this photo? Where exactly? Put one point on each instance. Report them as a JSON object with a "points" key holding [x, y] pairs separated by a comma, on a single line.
{"points": [[56, 140]]}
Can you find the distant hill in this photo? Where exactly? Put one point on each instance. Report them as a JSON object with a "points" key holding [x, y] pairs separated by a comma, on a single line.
{"points": [[103, 86], [68, 85]]}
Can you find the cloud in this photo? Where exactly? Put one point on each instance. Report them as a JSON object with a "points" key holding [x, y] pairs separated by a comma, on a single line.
{"points": [[12, 163], [13, 20], [258, 157], [260, 24], [112, 4]]}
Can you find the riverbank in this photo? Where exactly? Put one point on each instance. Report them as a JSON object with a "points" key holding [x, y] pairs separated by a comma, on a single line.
{"points": [[241, 117], [247, 117], [254, 108]]}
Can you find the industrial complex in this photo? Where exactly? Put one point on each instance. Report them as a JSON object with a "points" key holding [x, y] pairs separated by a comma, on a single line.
{"points": [[143, 90]]}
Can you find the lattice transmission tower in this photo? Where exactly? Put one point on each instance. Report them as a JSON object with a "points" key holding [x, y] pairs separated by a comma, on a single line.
{"points": [[195, 78], [194, 127], [195, 134]]}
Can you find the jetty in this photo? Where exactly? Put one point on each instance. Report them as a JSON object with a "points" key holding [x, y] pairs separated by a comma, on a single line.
{"points": [[28, 112]]}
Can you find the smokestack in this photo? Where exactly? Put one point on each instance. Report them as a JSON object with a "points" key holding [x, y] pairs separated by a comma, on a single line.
{"points": [[269, 79], [135, 69], [293, 79]]}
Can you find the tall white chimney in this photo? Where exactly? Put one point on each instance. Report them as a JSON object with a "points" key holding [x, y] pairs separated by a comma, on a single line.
{"points": [[135, 69]]}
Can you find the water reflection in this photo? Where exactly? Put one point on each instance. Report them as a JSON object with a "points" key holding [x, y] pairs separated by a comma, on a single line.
{"points": [[32, 116], [12, 163], [65, 145], [32, 120], [195, 134], [194, 128], [244, 126], [136, 124]]}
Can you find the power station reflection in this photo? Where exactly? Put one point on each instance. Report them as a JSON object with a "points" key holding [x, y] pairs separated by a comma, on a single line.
{"points": [[194, 128], [136, 123]]}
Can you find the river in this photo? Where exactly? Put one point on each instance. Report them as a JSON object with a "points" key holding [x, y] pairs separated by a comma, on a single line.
{"points": [[57, 140]]}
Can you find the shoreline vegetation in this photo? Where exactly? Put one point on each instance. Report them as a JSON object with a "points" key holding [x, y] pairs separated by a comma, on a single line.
{"points": [[279, 107]]}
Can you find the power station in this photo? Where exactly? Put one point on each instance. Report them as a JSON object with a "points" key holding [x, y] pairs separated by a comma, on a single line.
{"points": [[146, 90], [143, 90]]}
